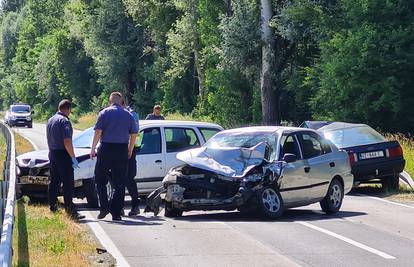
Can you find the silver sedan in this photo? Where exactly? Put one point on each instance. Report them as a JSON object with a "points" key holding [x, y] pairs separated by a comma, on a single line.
{"points": [[265, 169]]}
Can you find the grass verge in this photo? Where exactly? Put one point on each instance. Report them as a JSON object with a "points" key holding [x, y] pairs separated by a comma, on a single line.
{"points": [[48, 239], [42, 238]]}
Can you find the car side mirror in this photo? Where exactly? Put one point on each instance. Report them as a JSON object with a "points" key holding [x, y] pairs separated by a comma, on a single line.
{"points": [[289, 158]]}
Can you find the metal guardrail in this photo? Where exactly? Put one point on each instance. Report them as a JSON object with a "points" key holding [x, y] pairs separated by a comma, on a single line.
{"points": [[7, 198]]}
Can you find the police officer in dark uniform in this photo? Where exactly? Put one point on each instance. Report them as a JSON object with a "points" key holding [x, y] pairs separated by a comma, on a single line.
{"points": [[117, 131], [62, 158], [131, 185]]}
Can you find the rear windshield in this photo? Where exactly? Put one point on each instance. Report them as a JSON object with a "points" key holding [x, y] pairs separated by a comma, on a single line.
{"points": [[20, 109], [356, 136]]}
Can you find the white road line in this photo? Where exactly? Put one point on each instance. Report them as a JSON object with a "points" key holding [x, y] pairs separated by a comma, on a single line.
{"points": [[349, 241], [104, 239], [387, 201]]}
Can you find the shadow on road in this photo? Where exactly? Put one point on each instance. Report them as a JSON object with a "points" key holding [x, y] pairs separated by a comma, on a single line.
{"points": [[290, 215]]}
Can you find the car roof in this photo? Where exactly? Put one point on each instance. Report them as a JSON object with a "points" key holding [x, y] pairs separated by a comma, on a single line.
{"points": [[341, 125], [267, 129], [178, 123]]}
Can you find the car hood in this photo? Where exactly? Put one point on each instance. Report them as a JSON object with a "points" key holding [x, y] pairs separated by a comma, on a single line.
{"points": [[231, 162], [41, 157]]}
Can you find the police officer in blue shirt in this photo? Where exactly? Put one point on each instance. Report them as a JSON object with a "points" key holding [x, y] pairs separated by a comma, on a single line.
{"points": [[131, 185], [62, 158], [117, 131]]}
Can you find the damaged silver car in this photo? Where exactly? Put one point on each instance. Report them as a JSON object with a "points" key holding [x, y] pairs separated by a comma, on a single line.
{"points": [[262, 169]]}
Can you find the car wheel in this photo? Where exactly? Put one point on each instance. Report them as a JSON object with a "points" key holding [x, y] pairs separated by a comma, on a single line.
{"points": [[30, 125], [90, 192], [172, 212], [270, 202], [391, 183], [333, 199]]}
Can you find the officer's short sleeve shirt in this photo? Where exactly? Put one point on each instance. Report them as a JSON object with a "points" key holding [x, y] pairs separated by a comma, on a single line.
{"points": [[58, 129], [116, 125]]}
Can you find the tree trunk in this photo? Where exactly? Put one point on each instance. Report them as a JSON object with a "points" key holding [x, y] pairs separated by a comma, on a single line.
{"points": [[200, 74], [269, 92], [227, 5]]}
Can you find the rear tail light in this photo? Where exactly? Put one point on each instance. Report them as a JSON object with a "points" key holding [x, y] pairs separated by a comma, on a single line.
{"points": [[352, 157], [394, 152]]}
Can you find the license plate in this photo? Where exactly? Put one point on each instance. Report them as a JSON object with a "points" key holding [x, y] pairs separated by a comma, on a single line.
{"points": [[41, 180], [372, 155]]}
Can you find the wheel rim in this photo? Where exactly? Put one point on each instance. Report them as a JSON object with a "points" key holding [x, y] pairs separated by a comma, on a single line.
{"points": [[336, 195], [271, 200]]}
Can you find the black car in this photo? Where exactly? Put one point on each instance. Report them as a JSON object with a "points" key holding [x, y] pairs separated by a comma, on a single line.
{"points": [[372, 157]]}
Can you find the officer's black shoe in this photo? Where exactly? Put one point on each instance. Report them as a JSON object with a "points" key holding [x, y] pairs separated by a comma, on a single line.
{"points": [[76, 216], [53, 208], [102, 214], [134, 211], [116, 218]]}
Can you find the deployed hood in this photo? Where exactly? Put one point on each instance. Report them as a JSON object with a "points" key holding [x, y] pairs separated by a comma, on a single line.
{"points": [[231, 162]]}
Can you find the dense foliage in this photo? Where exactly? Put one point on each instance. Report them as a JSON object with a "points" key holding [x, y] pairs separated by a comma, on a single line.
{"points": [[235, 62]]}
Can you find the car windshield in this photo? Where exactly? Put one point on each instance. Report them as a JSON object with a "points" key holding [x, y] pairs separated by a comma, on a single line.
{"points": [[355, 136], [20, 109], [246, 140], [84, 139]]}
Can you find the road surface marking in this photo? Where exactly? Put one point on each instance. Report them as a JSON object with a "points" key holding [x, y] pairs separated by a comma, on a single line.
{"points": [[349, 241], [104, 239], [387, 201]]}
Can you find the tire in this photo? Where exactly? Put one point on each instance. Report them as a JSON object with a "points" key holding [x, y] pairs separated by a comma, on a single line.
{"points": [[90, 192], [333, 199], [171, 212], [270, 202], [391, 183], [30, 125]]}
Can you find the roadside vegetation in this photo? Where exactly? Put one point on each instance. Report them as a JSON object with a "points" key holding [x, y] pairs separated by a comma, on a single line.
{"points": [[42, 238], [235, 62]]}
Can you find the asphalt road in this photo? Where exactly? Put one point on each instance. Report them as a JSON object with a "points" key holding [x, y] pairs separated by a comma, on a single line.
{"points": [[368, 231]]}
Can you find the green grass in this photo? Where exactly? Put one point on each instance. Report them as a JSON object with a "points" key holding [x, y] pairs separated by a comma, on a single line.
{"points": [[42, 238], [407, 143]]}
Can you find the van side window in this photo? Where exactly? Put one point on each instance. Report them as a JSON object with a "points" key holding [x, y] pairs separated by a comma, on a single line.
{"points": [[149, 141], [207, 133], [179, 139]]}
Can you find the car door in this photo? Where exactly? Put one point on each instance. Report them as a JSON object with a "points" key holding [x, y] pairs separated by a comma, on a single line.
{"points": [[150, 158], [294, 185], [319, 162], [179, 139]]}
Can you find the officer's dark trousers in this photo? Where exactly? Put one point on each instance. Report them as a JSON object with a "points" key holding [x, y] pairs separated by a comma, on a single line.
{"points": [[113, 160], [130, 183], [61, 171]]}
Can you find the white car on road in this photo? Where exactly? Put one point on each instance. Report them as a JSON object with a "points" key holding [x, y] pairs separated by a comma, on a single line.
{"points": [[158, 142]]}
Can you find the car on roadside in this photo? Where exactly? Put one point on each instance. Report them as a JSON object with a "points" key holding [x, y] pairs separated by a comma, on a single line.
{"points": [[19, 115], [264, 168], [372, 157], [158, 143]]}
